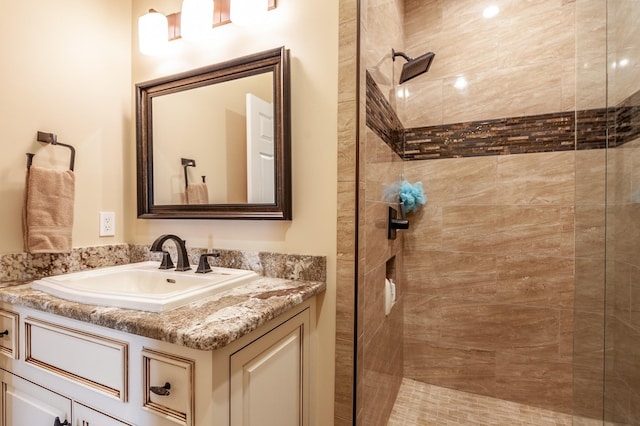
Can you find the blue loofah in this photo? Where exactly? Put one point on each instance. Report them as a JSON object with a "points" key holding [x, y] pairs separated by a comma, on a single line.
{"points": [[412, 195]]}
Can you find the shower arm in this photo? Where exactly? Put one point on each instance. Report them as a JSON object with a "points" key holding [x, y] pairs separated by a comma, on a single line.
{"points": [[404, 55]]}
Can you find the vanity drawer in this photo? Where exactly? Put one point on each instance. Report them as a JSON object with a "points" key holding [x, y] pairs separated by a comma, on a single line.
{"points": [[9, 334], [74, 355], [85, 416], [169, 382]]}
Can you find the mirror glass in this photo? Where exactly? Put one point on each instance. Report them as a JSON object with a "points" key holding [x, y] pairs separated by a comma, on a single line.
{"points": [[214, 142]]}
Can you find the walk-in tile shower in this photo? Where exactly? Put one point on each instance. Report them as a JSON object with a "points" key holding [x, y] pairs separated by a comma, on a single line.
{"points": [[519, 279]]}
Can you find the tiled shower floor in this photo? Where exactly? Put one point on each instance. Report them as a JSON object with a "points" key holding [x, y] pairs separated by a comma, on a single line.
{"points": [[420, 404]]}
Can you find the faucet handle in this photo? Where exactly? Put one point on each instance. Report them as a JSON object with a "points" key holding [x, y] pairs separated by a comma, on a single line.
{"points": [[203, 263], [166, 261]]}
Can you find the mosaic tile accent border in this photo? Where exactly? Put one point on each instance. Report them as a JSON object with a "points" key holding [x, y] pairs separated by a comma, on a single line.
{"points": [[627, 121], [22, 267], [514, 135], [382, 119], [504, 136], [591, 129]]}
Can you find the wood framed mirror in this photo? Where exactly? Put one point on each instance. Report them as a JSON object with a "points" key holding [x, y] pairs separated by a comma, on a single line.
{"points": [[215, 143]]}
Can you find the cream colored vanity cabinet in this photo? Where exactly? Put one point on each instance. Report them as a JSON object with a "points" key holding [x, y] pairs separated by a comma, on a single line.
{"points": [[85, 416], [89, 375], [267, 378], [8, 333], [25, 403]]}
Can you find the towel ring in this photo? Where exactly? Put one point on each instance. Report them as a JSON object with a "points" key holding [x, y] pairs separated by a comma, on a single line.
{"points": [[187, 162], [53, 140]]}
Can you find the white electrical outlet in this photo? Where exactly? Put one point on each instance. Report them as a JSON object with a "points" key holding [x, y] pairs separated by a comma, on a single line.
{"points": [[107, 224]]}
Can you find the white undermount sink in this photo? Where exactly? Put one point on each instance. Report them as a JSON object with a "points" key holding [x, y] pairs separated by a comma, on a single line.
{"points": [[141, 286]]}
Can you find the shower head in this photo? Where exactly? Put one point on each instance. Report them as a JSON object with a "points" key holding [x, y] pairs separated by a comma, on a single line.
{"points": [[414, 66]]}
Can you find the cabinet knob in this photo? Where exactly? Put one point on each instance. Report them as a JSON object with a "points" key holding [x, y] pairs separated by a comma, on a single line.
{"points": [[58, 423], [5, 333], [161, 390]]}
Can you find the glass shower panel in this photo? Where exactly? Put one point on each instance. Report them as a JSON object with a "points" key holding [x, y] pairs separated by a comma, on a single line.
{"points": [[622, 307], [590, 206]]}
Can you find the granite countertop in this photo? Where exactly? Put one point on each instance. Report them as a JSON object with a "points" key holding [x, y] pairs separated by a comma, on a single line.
{"points": [[207, 324]]}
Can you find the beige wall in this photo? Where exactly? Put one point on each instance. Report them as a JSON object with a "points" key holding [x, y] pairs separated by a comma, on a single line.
{"points": [[70, 68], [310, 31], [66, 70]]}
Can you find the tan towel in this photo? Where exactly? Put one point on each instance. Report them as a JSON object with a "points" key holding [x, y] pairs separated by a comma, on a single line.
{"points": [[197, 193], [48, 210]]}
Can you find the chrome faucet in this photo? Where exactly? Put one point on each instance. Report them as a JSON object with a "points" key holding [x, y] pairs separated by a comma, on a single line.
{"points": [[183, 257]]}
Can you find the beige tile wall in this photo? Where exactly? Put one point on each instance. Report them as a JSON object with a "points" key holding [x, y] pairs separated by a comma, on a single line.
{"points": [[379, 342], [588, 341], [588, 321], [489, 273], [493, 250], [623, 33], [591, 54], [622, 365], [608, 83], [383, 30], [346, 227], [382, 357], [519, 63], [495, 242]]}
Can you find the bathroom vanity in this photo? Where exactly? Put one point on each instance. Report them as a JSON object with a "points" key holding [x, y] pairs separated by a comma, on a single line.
{"points": [[240, 357]]}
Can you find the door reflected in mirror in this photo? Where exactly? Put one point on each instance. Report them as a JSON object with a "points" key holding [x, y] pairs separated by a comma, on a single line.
{"points": [[227, 130], [215, 143]]}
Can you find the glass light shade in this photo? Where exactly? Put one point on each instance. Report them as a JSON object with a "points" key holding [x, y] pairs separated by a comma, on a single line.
{"points": [[153, 33], [248, 12], [196, 19]]}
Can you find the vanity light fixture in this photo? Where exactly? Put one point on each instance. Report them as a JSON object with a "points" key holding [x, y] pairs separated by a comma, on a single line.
{"points": [[248, 12], [196, 19], [153, 30]]}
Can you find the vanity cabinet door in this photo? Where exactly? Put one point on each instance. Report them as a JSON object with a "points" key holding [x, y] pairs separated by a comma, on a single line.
{"points": [[269, 377], [25, 403]]}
